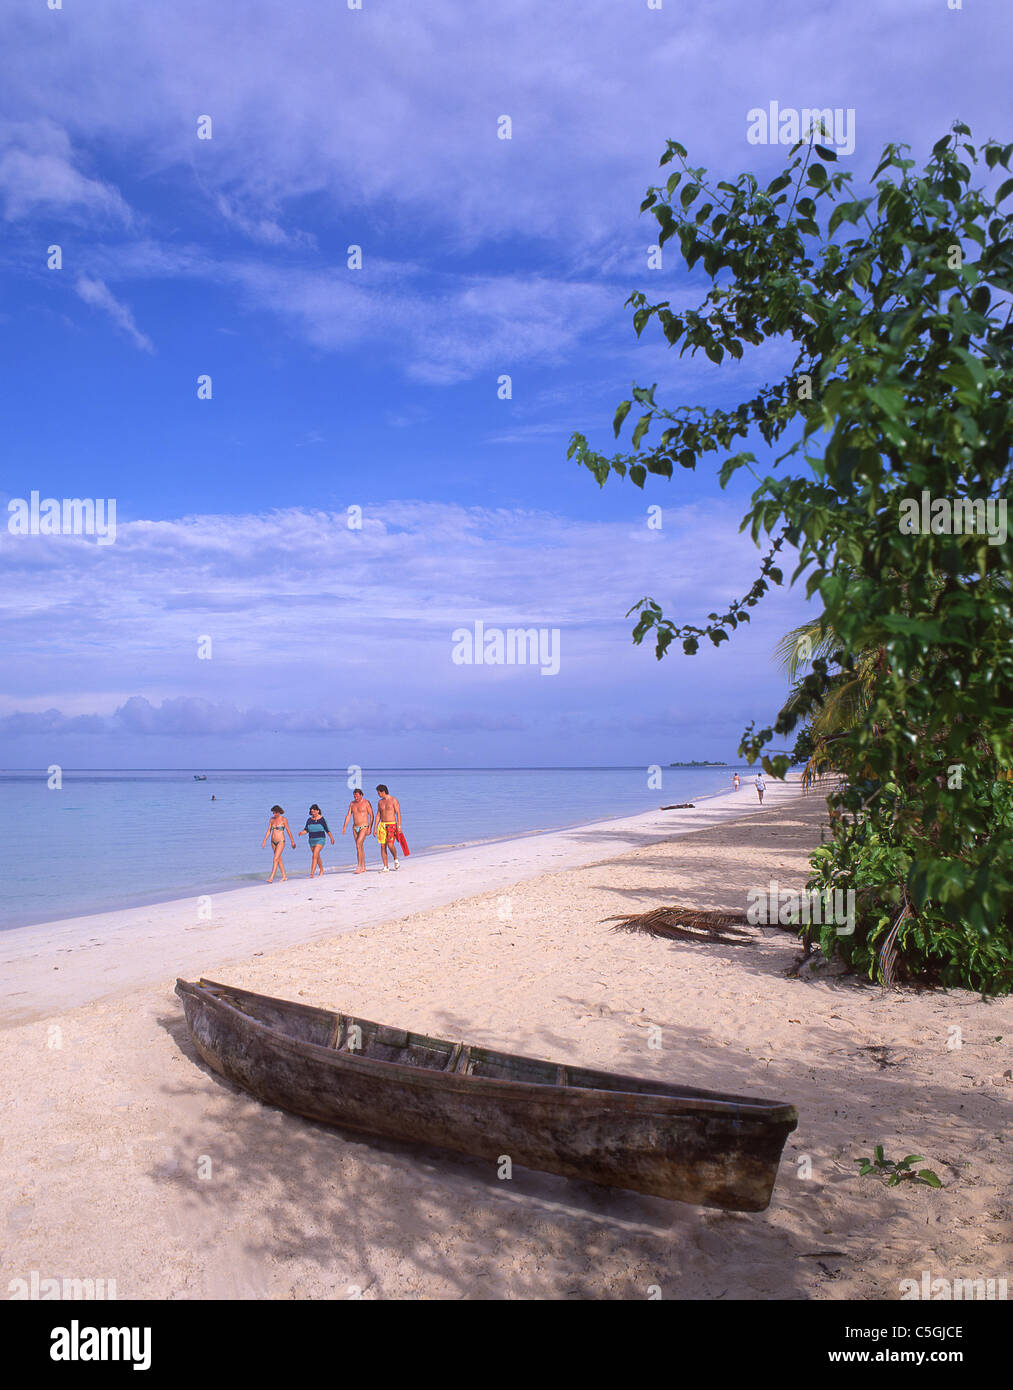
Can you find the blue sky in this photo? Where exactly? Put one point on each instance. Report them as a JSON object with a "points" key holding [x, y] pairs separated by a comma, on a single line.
{"points": [[377, 387]]}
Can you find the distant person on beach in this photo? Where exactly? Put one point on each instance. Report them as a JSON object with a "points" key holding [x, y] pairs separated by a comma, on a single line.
{"points": [[388, 824], [735, 781], [316, 827], [361, 814], [761, 786], [276, 828]]}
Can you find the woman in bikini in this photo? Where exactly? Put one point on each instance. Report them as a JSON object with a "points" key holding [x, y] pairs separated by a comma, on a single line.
{"points": [[276, 828]]}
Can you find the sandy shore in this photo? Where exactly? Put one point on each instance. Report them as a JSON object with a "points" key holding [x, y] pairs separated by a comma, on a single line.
{"points": [[58, 965], [124, 1158]]}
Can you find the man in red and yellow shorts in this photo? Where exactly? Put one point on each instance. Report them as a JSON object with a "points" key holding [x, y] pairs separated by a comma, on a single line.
{"points": [[388, 825]]}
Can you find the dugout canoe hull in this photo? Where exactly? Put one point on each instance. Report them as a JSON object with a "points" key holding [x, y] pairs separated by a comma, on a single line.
{"points": [[687, 1145]]}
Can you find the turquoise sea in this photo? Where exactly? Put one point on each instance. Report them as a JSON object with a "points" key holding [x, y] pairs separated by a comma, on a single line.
{"points": [[119, 839]]}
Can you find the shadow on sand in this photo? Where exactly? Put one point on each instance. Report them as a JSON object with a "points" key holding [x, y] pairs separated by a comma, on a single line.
{"points": [[320, 1212]]}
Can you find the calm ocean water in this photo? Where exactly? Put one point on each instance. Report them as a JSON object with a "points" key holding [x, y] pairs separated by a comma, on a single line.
{"points": [[119, 839]]}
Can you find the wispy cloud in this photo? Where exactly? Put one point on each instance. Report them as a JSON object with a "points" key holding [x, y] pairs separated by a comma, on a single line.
{"points": [[262, 227], [447, 328], [411, 152], [337, 627], [39, 175], [98, 294], [414, 129]]}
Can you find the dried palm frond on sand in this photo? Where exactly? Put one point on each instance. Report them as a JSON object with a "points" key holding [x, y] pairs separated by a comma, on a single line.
{"points": [[686, 924]]}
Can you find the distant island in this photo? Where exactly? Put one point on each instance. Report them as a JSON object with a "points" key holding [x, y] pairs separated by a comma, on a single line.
{"points": [[696, 763]]}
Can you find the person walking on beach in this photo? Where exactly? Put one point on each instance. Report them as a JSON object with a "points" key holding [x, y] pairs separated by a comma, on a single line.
{"points": [[276, 828], [761, 786], [361, 814], [388, 824], [316, 827], [735, 781]]}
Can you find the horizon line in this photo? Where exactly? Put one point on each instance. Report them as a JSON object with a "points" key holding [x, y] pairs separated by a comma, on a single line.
{"points": [[343, 771]]}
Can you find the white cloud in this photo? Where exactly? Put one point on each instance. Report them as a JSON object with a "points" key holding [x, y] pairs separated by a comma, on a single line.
{"points": [[38, 176], [306, 615], [441, 328], [98, 293], [391, 112], [379, 126], [262, 227]]}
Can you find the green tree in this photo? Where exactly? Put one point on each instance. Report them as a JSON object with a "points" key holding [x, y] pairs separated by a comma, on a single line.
{"points": [[897, 304]]}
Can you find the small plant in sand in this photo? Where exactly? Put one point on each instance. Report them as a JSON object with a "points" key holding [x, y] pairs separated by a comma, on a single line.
{"points": [[896, 1173]]}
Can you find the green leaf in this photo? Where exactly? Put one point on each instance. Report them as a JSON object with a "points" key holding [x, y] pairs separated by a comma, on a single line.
{"points": [[731, 465], [847, 212], [910, 358], [621, 414], [888, 398]]}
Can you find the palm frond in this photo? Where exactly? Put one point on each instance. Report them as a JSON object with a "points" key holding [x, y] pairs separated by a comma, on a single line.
{"points": [[686, 924], [799, 647]]}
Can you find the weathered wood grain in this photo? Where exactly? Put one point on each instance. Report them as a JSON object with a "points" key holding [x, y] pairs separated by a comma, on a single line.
{"points": [[670, 1141]]}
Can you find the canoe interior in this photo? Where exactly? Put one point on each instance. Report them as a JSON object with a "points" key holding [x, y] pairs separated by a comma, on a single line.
{"points": [[361, 1037]]}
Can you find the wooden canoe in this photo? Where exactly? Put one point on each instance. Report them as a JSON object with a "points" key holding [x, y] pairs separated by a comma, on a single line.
{"points": [[621, 1131]]}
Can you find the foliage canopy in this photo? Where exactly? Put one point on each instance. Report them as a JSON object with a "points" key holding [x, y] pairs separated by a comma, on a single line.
{"points": [[898, 306]]}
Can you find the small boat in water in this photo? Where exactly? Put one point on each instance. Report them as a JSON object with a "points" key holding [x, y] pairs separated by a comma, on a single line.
{"points": [[201, 777], [621, 1131]]}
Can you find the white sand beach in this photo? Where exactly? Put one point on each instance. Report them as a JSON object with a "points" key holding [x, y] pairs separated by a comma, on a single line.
{"points": [[57, 965], [124, 1157]]}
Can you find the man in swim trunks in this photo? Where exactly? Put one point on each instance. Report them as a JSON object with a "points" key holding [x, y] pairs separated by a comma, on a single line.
{"points": [[388, 824], [361, 814]]}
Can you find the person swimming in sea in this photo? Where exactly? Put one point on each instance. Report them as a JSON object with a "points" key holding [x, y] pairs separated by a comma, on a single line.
{"points": [[276, 828], [316, 827]]}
